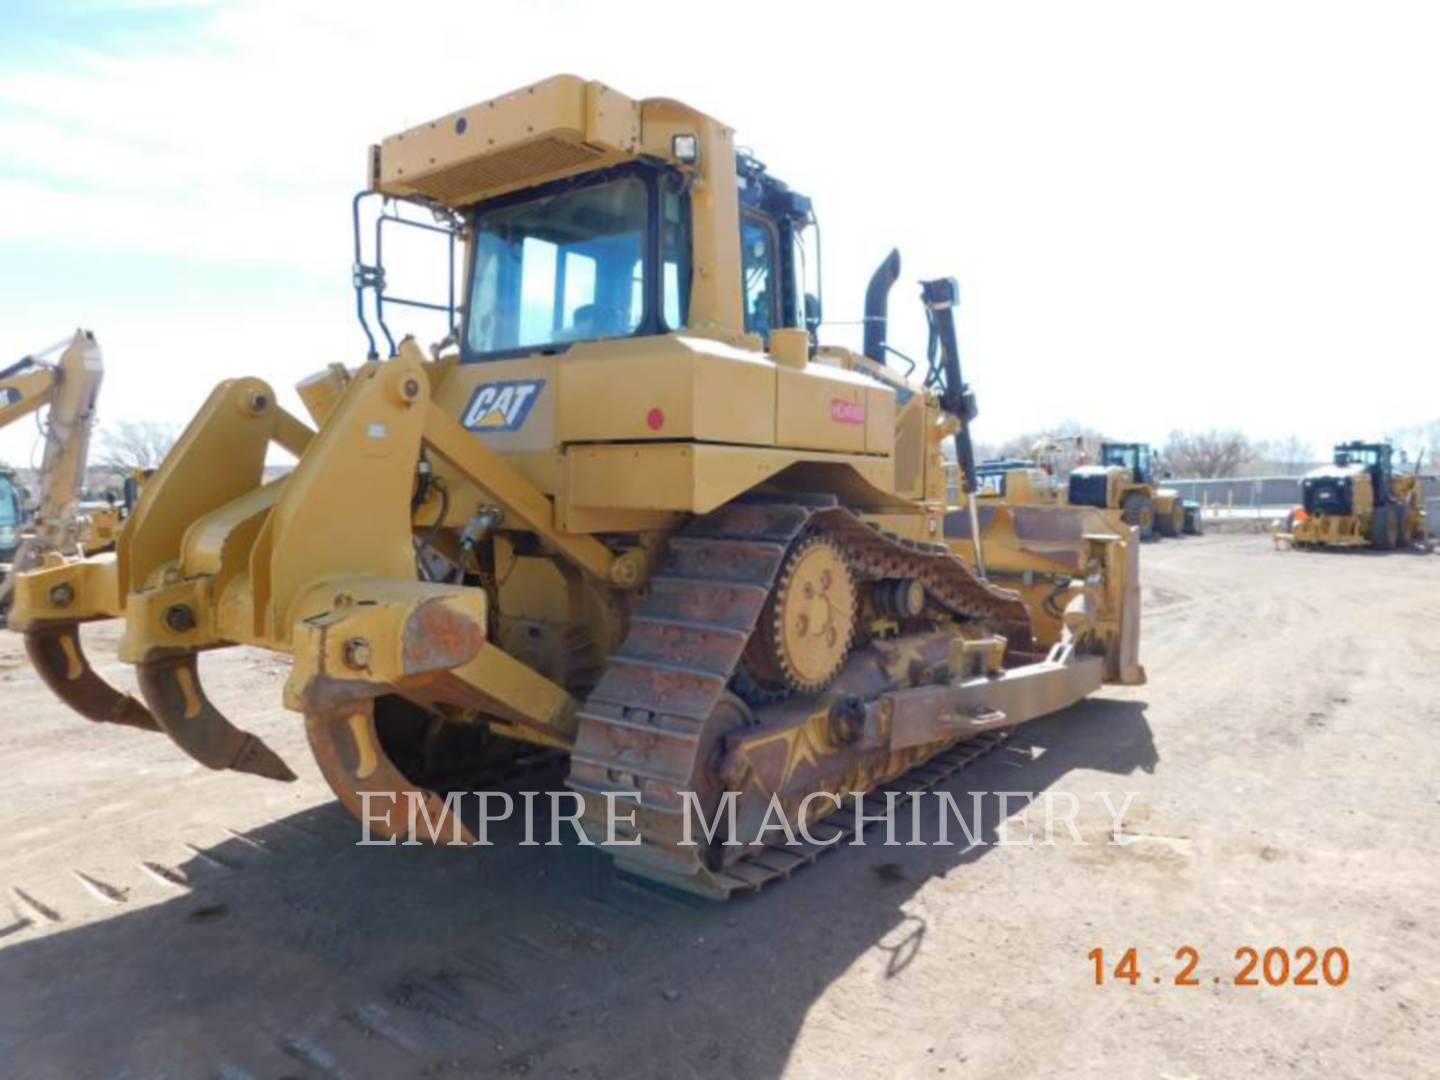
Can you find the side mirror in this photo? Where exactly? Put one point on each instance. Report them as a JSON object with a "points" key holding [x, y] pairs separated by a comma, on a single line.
{"points": [[812, 313], [968, 407]]}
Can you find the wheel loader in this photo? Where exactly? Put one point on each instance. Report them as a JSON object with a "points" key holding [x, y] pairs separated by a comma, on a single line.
{"points": [[1126, 479], [1358, 501], [630, 510], [67, 389]]}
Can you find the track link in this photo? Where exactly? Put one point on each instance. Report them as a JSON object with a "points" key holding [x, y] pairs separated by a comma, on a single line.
{"points": [[643, 737]]}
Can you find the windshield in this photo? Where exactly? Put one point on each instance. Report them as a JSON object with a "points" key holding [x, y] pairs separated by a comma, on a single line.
{"points": [[560, 268], [9, 510], [1349, 455], [1135, 458]]}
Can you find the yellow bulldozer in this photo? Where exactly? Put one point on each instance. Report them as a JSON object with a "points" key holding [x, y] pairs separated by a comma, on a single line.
{"points": [[1358, 501], [630, 510], [1036, 480], [1017, 480]]}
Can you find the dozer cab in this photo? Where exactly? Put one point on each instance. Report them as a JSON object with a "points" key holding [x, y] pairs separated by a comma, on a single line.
{"points": [[631, 511], [1127, 479], [1359, 501]]}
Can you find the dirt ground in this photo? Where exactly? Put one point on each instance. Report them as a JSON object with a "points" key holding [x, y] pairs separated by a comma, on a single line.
{"points": [[159, 920]]}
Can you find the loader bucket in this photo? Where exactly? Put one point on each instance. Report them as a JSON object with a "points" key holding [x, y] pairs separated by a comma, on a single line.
{"points": [[177, 701], [63, 666]]}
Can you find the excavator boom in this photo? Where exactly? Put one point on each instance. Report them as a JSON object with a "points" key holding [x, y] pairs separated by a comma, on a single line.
{"points": [[69, 388]]}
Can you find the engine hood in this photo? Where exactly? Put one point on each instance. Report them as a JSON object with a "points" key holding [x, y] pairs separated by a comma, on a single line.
{"points": [[1335, 472]]}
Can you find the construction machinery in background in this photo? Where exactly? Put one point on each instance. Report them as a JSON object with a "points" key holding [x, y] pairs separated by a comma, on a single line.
{"points": [[1016, 479], [1127, 479], [1038, 479], [631, 511], [67, 389], [1359, 500], [12, 517]]}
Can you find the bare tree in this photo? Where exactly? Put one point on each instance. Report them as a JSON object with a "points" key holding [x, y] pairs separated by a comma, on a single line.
{"points": [[1289, 455], [984, 451], [1208, 454], [1421, 442], [135, 444], [1064, 446]]}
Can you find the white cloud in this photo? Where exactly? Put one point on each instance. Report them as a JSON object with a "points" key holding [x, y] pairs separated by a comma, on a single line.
{"points": [[1162, 216]]}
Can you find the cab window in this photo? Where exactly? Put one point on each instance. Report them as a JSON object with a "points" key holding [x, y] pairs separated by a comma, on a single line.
{"points": [[758, 276], [675, 259], [563, 267]]}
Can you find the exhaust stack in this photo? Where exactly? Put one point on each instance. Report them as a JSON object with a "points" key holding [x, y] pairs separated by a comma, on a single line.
{"points": [[877, 305]]}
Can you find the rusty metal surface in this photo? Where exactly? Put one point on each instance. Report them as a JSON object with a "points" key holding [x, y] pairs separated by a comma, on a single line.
{"points": [[945, 577], [661, 721], [171, 688], [773, 862], [353, 761], [61, 662], [438, 638]]}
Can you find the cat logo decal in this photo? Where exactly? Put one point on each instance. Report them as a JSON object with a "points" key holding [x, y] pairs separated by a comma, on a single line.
{"points": [[502, 406]]}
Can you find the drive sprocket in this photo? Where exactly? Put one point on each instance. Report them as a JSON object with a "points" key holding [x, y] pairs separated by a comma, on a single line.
{"points": [[809, 621]]}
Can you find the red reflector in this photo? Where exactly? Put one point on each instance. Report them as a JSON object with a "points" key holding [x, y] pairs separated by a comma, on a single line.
{"points": [[656, 419]]}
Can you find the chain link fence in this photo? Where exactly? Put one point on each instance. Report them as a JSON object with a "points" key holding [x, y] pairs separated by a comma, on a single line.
{"points": [[1268, 496]]}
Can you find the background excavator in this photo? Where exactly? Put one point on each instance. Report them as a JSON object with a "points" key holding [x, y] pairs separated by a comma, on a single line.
{"points": [[631, 510], [68, 389], [12, 517]]}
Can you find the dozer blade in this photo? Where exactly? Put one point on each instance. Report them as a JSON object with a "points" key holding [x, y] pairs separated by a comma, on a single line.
{"points": [[58, 657], [348, 750], [171, 687]]}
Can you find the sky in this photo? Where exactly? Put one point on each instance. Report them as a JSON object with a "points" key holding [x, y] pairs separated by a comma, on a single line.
{"points": [[1162, 215]]}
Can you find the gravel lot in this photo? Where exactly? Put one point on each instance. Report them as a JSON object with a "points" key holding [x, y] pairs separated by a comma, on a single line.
{"points": [[156, 919]]}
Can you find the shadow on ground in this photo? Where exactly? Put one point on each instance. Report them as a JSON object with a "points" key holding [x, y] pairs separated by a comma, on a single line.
{"points": [[293, 952]]}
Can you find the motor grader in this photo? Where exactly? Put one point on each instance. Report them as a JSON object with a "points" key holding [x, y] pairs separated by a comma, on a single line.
{"points": [[1358, 501], [67, 389], [630, 510], [1127, 479]]}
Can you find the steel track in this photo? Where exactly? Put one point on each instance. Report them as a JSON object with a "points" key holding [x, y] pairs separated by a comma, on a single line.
{"points": [[643, 736]]}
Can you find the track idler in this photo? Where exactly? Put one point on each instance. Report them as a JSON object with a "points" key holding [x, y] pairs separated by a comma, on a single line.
{"points": [[171, 687], [58, 657]]}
